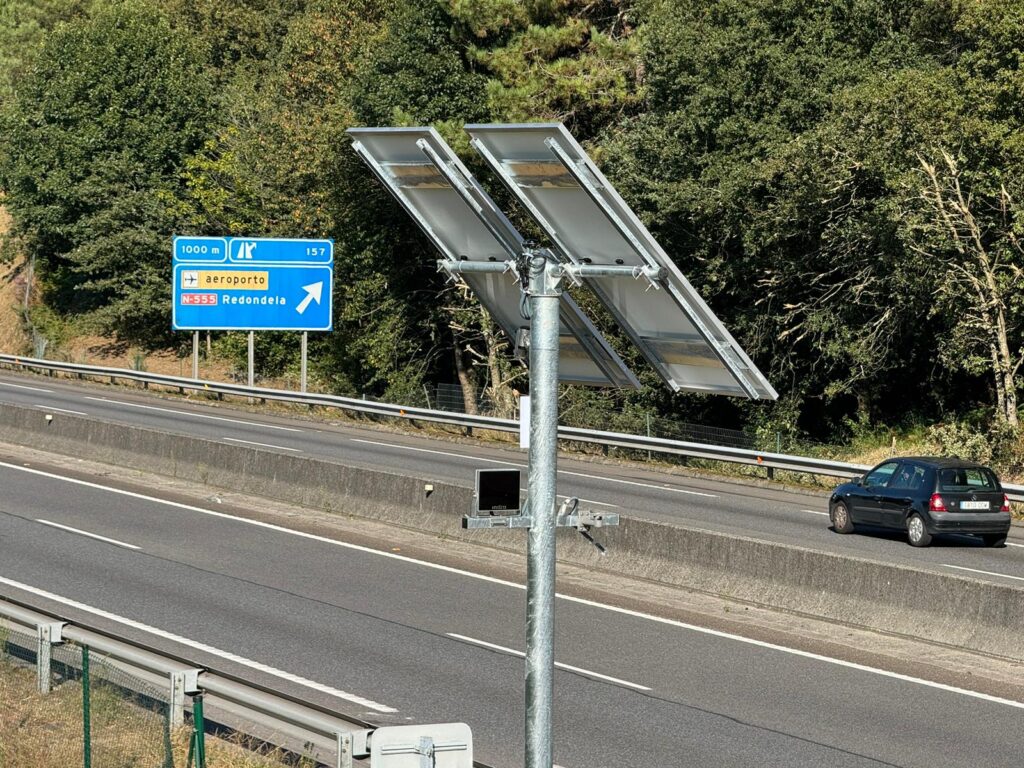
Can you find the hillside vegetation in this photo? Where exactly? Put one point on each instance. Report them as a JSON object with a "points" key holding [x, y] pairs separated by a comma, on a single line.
{"points": [[842, 182]]}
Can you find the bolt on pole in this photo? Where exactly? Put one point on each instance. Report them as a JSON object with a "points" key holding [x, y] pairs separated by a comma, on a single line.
{"points": [[545, 291]]}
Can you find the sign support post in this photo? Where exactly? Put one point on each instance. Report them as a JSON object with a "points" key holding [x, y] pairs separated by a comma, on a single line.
{"points": [[251, 379], [195, 354], [302, 364]]}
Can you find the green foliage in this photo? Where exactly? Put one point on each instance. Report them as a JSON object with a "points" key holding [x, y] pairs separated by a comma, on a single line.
{"points": [[414, 74], [94, 137], [23, 26], [779, 161], [960, 439], [779, 150], [567, 60]]}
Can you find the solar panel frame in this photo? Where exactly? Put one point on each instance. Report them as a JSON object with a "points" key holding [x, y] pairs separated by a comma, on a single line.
{"points": [[476, 229], [542, 162]]}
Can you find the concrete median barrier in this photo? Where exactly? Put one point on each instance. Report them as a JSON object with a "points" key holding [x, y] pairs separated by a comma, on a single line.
{"points": [[951, 610]]}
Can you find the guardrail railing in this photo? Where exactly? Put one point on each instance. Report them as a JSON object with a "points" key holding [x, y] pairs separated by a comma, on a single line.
{"points": [[274, 717], [313, 732], [767, 460]]}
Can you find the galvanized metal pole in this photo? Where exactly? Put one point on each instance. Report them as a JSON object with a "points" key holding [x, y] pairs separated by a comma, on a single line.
{"points": [[252, 364], [195, 354], [302, 365], [545, 288]]}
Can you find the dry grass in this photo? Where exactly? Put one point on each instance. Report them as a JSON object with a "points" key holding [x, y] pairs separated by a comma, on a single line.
{"points": [[46, 731]]}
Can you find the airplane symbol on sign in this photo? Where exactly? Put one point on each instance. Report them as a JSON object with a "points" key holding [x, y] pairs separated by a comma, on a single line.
{"points": [[245, 250], [189, 279]]}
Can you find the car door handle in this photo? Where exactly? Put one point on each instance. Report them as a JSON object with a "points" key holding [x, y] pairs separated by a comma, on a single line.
{"points": [[878, 498]]}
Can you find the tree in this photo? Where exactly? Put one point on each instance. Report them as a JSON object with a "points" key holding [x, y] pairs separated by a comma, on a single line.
{"points": [[23, 25], [574, 61], [976, 249], [92, 143], [751, 167]]}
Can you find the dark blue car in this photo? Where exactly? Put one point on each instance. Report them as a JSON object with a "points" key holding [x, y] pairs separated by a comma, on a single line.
{"points": [[925, 497]]}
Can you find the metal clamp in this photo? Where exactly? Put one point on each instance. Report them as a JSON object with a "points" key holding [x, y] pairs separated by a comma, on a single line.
{"points": [[570, 516]]}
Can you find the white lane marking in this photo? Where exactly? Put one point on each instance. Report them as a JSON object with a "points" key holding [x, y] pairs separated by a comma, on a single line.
{"points": [[522, 587], [798, 652], [1011, 544], [987, 573], [439, 453], [194, 415], [368, 703], [262, 445], [60, 410], [86, 533], [642, 485], [259, 524], [22, 386], [520, 654], [814, 512]]}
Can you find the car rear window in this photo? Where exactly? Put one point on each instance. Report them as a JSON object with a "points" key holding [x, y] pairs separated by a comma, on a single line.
{"points": [[967, 479]]}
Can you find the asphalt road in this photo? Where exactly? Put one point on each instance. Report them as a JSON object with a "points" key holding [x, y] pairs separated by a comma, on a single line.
{"points": [[728, 507], [404, 640]]}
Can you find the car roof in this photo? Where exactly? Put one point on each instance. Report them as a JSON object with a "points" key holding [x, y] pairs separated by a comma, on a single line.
{"points": [[941, 462]]}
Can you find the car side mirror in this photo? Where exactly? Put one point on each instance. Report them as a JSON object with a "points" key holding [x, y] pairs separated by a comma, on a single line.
{"points": [[860, 479]]}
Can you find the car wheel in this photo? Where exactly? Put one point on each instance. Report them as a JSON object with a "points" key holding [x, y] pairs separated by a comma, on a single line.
{"points": [[841, 520], [994, 540], [917, 533]]}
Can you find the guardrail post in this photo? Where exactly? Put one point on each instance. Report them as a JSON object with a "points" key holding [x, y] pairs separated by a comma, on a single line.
{"points": [[183, 683], [352, 744], [771, 473], [344, 750], [48, 635]]}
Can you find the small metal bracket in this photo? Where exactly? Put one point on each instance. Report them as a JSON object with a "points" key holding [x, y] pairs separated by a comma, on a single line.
{"points": [[52, 632], [352, 745], [569, 515], [522, 344], [472, 522]]}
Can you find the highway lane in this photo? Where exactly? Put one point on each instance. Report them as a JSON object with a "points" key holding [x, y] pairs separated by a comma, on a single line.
{"points": [[727, 507], [392, 633]]}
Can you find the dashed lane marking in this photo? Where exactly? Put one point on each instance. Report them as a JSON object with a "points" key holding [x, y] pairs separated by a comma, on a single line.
{"points": [[86, 533]]}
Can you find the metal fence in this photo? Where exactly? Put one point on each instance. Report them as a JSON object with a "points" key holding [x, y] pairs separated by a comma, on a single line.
{"points": [[85, 710]]}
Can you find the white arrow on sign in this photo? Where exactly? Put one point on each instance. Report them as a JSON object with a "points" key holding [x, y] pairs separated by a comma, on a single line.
{"points": [[313, 293]]}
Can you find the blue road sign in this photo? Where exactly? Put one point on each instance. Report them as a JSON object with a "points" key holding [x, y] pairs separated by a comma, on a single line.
{"points": [[202, 249], [252, 284], [249, 250]]}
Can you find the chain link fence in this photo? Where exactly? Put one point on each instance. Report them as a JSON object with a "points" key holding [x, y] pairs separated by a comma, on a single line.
{"points": [[95, 714]]}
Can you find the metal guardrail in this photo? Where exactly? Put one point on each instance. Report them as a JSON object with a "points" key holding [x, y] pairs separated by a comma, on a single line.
{"points": [[271, 717], [274, 717], [770, 461]]}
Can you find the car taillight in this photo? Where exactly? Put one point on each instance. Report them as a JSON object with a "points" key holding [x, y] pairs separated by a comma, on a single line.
{"points": [[1006, 504], [936, 504]]}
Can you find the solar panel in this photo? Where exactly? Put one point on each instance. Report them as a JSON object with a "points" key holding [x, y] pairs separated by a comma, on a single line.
{"points": [[589, 223], [460, 219]]}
